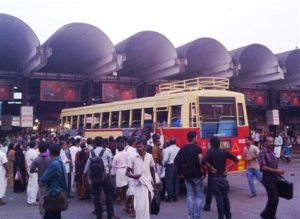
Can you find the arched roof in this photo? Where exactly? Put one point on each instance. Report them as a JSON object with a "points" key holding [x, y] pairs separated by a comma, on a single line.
{"points": [[78, 48], [290, 60], [18, 43], [147, 52], [205, 57], [254, 59], [255, 64]]}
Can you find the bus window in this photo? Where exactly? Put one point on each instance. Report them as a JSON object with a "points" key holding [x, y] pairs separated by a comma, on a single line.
{"points": [[148, 117], [125, 119], [88, 119], [105, 120], [218, 117], [81, 122], [175, 116], [97, 120], [241, 114], [115, 119], [74, 123], [162, 116], [136, 118]]}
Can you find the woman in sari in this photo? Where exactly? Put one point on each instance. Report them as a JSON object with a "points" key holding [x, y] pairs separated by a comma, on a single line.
{"points": [[10, 164], [19, 170], [81, 180]]}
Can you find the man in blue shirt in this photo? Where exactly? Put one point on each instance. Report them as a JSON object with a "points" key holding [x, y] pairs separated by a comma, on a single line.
{"points": [[55, 177]]}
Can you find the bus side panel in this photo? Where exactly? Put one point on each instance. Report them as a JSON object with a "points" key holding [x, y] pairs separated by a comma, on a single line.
{"points": [[178, 133], [104, 133]]}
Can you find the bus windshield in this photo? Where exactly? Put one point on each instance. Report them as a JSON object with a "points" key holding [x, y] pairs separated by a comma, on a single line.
{"points": [[217, 117]]}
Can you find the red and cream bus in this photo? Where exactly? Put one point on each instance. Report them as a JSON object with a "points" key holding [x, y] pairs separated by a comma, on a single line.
{"points": [[203, 105]]}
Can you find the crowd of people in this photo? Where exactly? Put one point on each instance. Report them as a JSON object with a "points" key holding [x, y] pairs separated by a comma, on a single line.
{"points": [[136, 172]]}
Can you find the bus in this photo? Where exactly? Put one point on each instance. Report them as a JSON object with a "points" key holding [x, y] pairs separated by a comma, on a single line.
{"points": [[203, 104]]}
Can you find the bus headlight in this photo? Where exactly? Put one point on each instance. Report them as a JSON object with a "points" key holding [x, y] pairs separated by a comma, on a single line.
{"points": [[239, 157]]}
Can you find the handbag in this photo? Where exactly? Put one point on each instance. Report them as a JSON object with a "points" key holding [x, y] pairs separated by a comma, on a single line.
{"points": [[285, 189], [56, 200], [155, 204], [19, 177]]}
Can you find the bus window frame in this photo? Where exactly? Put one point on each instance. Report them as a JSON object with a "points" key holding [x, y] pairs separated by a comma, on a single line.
{"points": [[239, 104], [171, 116], [122, 114], [133, 119]]}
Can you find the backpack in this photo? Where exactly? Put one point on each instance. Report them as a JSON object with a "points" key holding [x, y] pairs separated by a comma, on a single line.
{"points": [[97, 170]]}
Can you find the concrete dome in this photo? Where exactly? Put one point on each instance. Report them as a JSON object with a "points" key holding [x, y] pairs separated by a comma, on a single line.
{"points": [[255, 64], [149, 55], [18, 44], [206, 57], [80, 48]]}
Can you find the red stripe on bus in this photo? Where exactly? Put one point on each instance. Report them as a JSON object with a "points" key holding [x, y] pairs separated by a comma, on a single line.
{"points": [[103, 130]]}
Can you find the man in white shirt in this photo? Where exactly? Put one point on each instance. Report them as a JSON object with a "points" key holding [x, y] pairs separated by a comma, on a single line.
{"points": [[66, 158], [143, 173], [131, 153], [256, 137], [171, 172], [3, 176], [106, 185], [277, 145], [75, 147], [32, 187]]}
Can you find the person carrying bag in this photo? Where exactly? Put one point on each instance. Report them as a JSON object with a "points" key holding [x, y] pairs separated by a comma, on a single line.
{"points": [[55, 177]]}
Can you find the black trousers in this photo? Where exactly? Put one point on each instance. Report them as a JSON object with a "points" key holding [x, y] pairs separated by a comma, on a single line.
{"points": [[270, 183], [209, 191], [52, 215], [171, 180], [220, 189], [69, 179], [108, 192]]}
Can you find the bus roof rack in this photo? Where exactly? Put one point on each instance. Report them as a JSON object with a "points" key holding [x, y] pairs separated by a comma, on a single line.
{"points": [[194, 84]]}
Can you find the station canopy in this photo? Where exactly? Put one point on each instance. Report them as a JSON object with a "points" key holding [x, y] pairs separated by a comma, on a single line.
{"points": [[290, 62], [149, 56], [255, 64], [19, 46], [205, 57], [82, 50]]}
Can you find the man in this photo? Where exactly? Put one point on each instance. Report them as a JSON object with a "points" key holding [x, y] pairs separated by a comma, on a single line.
{"points": [[3, 176], [171, 178], [256, 137], [66, 158], [142, 171], [105, 185], [216, 159], [250, 155], [131, 153], [39, 165], [32, 187], [74, 148], [119, 170], [269, 166], [188, 164], [55, 178], [278, 142]]}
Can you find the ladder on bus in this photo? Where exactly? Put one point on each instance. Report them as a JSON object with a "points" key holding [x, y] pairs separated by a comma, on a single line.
{"points": [[195, 115]]}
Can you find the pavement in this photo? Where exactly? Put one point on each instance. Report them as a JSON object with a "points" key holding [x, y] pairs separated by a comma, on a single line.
{"points": [[242, 206]]}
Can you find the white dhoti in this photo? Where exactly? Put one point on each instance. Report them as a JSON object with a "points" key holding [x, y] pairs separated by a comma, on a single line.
{"points": [[121, 178], [32, 188], [141, 197], [3, 183], [130, 190], [277, 151]]}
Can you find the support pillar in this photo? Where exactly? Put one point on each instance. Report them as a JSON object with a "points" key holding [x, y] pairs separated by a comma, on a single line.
{"points": [[25, 82], [90, 92]]}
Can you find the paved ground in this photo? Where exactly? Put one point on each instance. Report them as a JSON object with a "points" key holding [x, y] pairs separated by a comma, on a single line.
{"points": [[242, 207]]}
